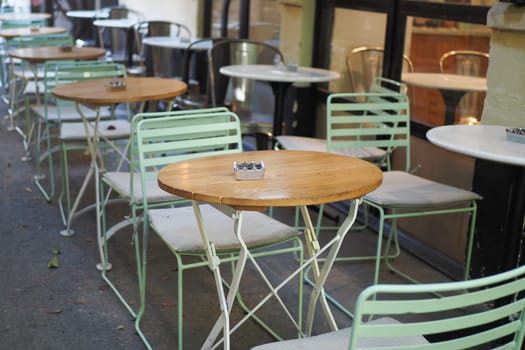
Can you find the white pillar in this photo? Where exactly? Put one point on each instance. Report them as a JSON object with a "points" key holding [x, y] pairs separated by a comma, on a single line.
{"points": [[505, 99]]}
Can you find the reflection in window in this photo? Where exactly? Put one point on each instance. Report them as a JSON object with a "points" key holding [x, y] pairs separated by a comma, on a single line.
{"points": [[354, 29], [430, 39], [264, 20]]}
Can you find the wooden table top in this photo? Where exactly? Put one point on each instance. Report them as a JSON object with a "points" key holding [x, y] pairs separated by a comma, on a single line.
{"points": [[291, 178], [138, 89], [42, 54], [11, 33]]}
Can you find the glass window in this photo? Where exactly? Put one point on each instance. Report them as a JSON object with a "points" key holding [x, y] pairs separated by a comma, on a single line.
{"points": [[463, 47], [354, 30], [357, 41], [265, 20]]}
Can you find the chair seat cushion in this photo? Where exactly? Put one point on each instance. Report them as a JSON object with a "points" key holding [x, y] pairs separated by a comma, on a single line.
{"points": [[178, 229], [319, 145], [111, 129], [340, 339], [68, 113], [404, 190], [32, 87], [120, 182], [28, 74]]}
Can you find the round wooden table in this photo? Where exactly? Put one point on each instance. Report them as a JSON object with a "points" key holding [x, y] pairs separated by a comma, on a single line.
{"points": [[11, 33], [138, 89], [291, 178], [38, 55], [35, 55], [95, 93]]}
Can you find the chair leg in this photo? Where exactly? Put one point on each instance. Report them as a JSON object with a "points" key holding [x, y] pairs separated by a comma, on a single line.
{"points": [[39, 159], [299, 257], [470, 242], [468, 253], [64, 210], [141, 258]]}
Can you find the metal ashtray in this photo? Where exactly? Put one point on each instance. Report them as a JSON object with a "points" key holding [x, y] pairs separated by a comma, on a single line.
{"points": [[66, 48], [116, 85], [291, 67], [516, 134], [248, 171]]}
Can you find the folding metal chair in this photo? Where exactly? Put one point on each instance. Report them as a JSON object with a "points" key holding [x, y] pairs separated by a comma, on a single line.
{"points": [[167, 137], [484, 313]]}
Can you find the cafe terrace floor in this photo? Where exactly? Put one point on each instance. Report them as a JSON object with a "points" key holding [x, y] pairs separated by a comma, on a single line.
{"points": [[71, 307]]}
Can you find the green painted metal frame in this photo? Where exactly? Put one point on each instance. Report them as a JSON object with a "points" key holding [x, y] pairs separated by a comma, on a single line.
{"points": [[14, 93], [148, 129], [57, 73], [387, 119], [483, 313]]}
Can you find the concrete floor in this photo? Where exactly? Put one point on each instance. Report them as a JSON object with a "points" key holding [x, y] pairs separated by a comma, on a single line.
{"points": [[71, 307]]}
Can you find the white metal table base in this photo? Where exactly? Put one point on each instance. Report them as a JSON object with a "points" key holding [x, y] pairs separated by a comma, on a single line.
{"points": [[314, 251], [93, 171]]}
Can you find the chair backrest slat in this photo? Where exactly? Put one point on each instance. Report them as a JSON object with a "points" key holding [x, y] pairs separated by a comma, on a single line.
{"points": [[374, 119], [62, 72], [41, 40], [485, 312], [237, 51], [160, 139]]}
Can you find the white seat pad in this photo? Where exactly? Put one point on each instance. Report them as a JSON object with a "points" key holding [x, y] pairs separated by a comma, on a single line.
{"points": [[178, 228], [120, 182], [111, 129], [404, 190], [340, 339], [319, 145], [68, 113]]}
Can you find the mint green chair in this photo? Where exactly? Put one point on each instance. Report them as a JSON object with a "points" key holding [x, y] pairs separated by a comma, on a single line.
{"points": [[336, 143], [29, 78], [113, 132], [382, 120], [484, 313], [60, 126], [159, 139]]}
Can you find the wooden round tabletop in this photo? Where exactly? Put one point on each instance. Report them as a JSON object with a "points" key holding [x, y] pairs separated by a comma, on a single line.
{"points": [[138, 89], [291, 178], [11, 33], [42, 54]]}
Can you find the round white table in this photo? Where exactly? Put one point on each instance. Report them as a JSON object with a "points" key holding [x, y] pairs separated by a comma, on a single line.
{"points": [[83, 23], [490, 143], [280, 78], [479, 141], [451, 86], [178, 43], [24, 16], [88, 14], [121, 23]]}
